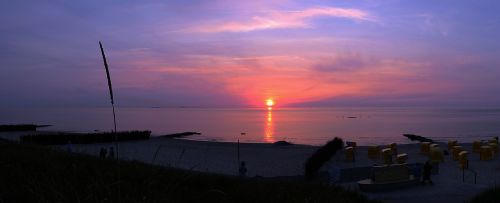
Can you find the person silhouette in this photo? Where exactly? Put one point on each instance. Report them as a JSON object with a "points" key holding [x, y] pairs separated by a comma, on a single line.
{"points": [[427, 173], [102, 153], [69, 147], [111, 153], [243, 170]]}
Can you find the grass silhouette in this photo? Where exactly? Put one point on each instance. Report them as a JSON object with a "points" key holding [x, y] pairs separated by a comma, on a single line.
{"points": [[321, 156], [491, 195], [33, 173]]}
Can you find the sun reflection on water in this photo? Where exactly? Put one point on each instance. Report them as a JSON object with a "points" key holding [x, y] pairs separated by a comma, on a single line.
{"points": [[269, 127]]}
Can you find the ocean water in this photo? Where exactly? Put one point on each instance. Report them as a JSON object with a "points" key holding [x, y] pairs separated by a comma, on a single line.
{"points": [[312, 126]]}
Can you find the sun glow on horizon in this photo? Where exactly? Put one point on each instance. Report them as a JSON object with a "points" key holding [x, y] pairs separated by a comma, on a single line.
{"points": [[269, 104]]}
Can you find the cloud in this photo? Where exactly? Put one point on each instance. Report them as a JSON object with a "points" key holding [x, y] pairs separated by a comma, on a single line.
{"points": [[344, 62], [291, 79], [287, 19]]}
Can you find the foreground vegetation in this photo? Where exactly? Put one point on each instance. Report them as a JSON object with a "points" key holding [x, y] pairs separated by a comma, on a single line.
{"points": [[38, 174], [489, 196], [60, 138], [321, 156]]}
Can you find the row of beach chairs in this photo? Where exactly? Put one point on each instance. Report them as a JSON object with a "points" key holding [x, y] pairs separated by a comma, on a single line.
{"points": [[433, 150], [390, 175], [376, 152], [487, 150]]}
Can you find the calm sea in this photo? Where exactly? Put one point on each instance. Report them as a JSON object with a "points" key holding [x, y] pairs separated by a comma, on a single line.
{"points": [[298, 125]]}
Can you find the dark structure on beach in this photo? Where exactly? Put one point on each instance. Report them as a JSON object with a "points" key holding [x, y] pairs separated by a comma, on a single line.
{"points": [[419, 138]]}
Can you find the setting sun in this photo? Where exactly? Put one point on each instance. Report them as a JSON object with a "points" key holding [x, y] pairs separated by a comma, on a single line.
{"points": [[269, 102]]}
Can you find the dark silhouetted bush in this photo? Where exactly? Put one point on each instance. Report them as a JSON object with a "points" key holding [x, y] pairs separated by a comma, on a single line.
{"points": [[321, 156], [489, 195], [59, 138]]}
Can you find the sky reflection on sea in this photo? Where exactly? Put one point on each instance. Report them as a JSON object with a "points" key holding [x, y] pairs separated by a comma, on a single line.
{"points": [[298, 125]]}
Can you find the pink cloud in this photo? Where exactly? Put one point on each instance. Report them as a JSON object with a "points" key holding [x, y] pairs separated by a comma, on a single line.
{"points": [[287, 19], [290, 79]]}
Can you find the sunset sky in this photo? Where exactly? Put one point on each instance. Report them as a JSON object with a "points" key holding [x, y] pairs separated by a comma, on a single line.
{"points": [[226, 53]]}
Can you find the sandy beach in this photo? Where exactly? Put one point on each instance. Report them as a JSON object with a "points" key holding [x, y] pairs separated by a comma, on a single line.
{"points": [[214, 157], [268, 160]]}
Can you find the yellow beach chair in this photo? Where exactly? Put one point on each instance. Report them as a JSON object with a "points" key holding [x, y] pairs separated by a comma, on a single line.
{"points": [[486, 153], [494, 148], [425, 147], [387, 155], [373, 152], [394, 148], [463, 155], [401, 158], [476, 146], [349, 154], [456, 151], [436, 155], [463, 161], [451, 144]]}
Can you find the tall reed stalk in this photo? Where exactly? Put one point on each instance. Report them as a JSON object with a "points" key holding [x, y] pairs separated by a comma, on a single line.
{"points": [[111, 95], [114, 115]]}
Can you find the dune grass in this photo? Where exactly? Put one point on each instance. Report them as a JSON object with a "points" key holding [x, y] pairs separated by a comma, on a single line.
{"points": [[491, 195], [59, 138], [39, 174]]}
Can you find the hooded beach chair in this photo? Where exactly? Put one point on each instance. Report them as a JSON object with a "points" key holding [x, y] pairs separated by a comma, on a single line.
{"points": [[476, 146], [349, 154], [387, 155], [494, 148], [485, 153], [401, 158], [425, 147], [451, 144], [394, 148], [436, 155], [373, 152], [463, 161], [456, 151]]}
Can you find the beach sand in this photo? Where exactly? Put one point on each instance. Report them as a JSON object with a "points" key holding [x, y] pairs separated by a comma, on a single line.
{"points": [[267, 160], [261, 159]]}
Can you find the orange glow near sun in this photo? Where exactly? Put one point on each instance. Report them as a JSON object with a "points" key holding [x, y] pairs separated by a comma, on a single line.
{"points": [[269, 104]]}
